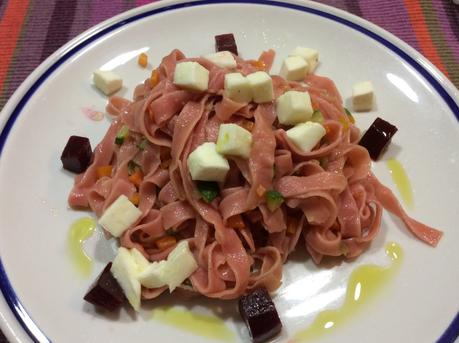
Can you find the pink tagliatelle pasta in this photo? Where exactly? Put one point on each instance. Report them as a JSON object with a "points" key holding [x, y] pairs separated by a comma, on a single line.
{"points": [[332, 201]]}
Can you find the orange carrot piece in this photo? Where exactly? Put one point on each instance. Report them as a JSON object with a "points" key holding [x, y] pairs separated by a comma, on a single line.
{"points": [[154, 78], [165, 242], [136, 178], [261, 191], [291, 226], [135, 198], [143, 60], [104, 171], [260, 65], [247, 124], [236, 222]]}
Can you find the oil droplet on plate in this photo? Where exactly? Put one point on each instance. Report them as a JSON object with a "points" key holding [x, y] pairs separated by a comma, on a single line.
{"points": [[401, 180], [199, 324], [80, 231], [364, 283]]}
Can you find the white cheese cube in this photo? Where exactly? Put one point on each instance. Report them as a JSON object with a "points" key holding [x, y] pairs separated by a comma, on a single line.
{"points": [[191, 76], [309, 55], [237, 87], [139, 259], [206, 164], [154, 275], [180, 265], [234, 140], [294, 107], [119, 216], [223, 59], [107, 81], [362, 96], [294, 68], [125, 270], [306, 135], [262, 86]]}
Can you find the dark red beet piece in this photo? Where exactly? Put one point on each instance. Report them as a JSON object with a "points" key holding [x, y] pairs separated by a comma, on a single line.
{"points": [[106, 292], [77, 154], [260, 315], [226, 42], [377, 137]]}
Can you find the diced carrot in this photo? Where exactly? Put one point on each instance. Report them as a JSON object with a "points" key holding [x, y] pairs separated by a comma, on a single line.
{"points": [[135, 198], [260, 65], [154, 78], [143, 60], [104, 171], [247, 124], [136, 178], [292, 224], [165, 242], [236, 222], [261, 191]]}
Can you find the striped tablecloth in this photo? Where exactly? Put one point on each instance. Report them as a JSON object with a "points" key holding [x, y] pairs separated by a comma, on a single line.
{"points": [[30, 30]]}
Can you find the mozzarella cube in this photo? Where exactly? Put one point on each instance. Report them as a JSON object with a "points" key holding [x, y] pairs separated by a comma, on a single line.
{"points": [[191, 76], [362, 96], [119, 216], [294, 68], [262, 86], [180, 265], [234, 140], [107, 81], [309, 55], [294, 107], [125, 270], [206, 164], [237, 87], [139, 260], [223, 59], [154, 275], [306, 135]]}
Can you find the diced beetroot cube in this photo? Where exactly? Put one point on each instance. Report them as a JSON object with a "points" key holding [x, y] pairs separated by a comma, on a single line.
{"points": [[77, 154], [260, 315], [106, 292], [377, 137], [226, 42]]}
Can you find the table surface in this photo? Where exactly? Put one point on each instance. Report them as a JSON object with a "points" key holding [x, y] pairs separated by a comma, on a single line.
{"points": [[31, 30]]}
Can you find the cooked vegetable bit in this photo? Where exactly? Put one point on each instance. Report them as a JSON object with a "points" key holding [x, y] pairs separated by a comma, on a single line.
{"points": [[133, 167], [154, 78], [77, 154], [377, 137], [260, 315], [136, 178], [135, 198], [143, 60], [273, 200], [165, 242], [209, 190], [122, 134], [226, 42], [106, 292], [142, 144], [104, 171], [317, 117], [261, 190]]}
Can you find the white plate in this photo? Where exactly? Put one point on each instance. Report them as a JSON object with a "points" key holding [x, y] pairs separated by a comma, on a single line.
{"points": [[43, 293]]}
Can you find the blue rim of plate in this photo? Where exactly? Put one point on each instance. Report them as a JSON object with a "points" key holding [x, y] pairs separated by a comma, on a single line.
{"points": [[21, 314]]}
